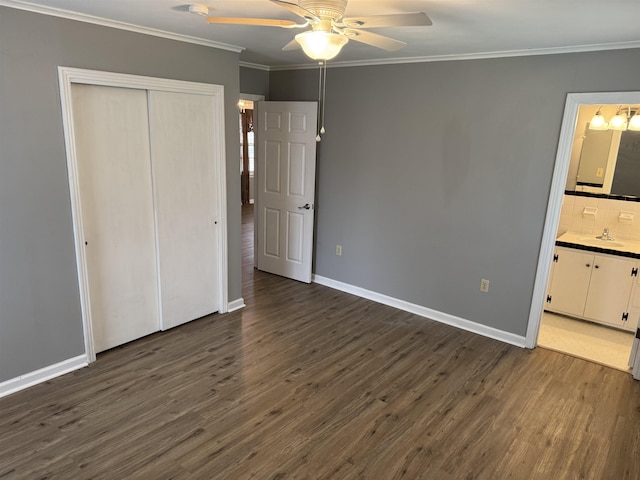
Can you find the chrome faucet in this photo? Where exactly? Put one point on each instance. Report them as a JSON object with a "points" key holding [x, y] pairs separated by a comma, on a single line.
{"points": [[605, 234]]}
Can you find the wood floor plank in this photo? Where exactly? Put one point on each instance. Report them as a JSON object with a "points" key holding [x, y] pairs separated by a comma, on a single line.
{"points": [[307, 382]]}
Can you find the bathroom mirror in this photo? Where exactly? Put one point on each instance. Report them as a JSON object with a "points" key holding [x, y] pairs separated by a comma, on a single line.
{"points": [[604, 161]]}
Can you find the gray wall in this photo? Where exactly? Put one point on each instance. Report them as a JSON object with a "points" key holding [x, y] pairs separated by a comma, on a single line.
{"points": [[254, 81], [433, 176], [40, 322]]}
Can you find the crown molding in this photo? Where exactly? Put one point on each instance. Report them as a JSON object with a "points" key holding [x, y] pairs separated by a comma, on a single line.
{"points": [[469, 56], [81, 17], [255, 66]]}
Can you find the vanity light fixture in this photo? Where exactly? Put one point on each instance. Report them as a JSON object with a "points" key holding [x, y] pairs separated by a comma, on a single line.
{"points": [[619, 121], [634, 123], [598, 122]]}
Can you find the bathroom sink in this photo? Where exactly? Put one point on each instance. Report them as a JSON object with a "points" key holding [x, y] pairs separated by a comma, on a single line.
{"points": [[598, 242], [623, 246]]}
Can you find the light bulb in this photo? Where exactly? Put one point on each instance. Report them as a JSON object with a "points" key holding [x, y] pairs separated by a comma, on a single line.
{"points": [[321, 45], [618, 122], [598, 122], [634, 123]]}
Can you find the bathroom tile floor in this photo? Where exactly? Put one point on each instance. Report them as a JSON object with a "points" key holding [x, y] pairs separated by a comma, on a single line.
{"points": [[586, 340]]}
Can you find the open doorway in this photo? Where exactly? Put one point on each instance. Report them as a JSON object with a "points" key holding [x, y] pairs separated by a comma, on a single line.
{"points": [[577, 213], [247, 152], [246, 105]]}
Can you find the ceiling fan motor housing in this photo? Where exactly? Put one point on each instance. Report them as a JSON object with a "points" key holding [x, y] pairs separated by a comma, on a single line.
{"points": [[333, 9]]}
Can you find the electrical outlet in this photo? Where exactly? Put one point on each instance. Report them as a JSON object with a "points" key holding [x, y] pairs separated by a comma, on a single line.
{"points": [[484, 285], [339, 250]]}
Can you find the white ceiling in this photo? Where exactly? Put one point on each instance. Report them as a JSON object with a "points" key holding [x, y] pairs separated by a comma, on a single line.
{"points": [[461, 28]]}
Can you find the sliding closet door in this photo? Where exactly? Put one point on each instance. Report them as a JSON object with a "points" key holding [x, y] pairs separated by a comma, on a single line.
{"points": [[114, 170], [184, 178]]}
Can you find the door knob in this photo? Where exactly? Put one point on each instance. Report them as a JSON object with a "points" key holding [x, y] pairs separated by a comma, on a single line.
{"points": [[306, 206]]}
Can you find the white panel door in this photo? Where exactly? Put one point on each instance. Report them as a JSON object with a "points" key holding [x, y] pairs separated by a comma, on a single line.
{"points": [[114, 171], [285, 187], [184, 180]]}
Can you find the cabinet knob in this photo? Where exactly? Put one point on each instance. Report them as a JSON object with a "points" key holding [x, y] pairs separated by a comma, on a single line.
{"points": [[596, 266], [588, 265]]}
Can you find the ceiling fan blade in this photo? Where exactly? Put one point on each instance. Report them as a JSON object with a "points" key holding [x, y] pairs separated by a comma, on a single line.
{"points": [[298, 10], [373, 39], [292, 45], [418, 19], [261, 22]]}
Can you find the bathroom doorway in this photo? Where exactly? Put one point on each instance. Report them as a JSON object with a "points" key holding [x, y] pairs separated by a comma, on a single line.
{"points": [[580, 338]]}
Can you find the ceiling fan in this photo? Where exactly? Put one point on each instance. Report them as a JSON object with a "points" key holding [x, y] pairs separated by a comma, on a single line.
{"points": [[330, 29]]}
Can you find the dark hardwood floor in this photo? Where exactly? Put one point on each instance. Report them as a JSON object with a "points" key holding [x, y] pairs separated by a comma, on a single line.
{"points": [[307, 382]]}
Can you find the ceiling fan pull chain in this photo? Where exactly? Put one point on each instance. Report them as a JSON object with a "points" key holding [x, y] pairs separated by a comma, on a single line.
{"points": [[319, 101], [324, 95]]}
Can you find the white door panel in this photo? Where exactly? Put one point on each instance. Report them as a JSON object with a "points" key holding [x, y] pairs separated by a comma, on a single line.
{"points": [[184, 179], [285, 181], [271, 233], [114, 170], [295, 239]]}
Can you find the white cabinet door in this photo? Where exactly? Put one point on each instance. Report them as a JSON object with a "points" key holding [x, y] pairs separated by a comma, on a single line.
{"points": [[570, 281], [285, 187], [610, 290], [634, 305], [184, 179], [592, 286], [114, 171]]}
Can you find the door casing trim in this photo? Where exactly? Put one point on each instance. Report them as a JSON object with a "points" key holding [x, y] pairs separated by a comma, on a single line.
{"points": [[554, 205]]}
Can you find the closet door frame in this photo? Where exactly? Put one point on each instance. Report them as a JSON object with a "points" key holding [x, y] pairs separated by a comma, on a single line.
{"points": [[68, 76]]}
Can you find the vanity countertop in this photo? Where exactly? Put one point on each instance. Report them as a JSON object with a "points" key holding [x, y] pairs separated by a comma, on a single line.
{"points": [[581, 241]]}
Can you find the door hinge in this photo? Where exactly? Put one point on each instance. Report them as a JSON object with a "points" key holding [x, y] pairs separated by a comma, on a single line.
{"points": [[634, 272], [555, 258], [625, 316], [638, 333], [548, 298]]}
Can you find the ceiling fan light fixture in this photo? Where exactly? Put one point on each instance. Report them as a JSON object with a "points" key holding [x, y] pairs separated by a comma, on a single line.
{"points": [[321, 45]]}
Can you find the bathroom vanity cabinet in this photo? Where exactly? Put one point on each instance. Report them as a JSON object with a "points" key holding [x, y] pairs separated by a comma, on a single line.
{"points": [[593, 286]]}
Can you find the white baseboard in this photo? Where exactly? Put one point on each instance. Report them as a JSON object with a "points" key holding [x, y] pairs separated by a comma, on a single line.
{"points": [[236, 304], [441, 317], [38, 376]]}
